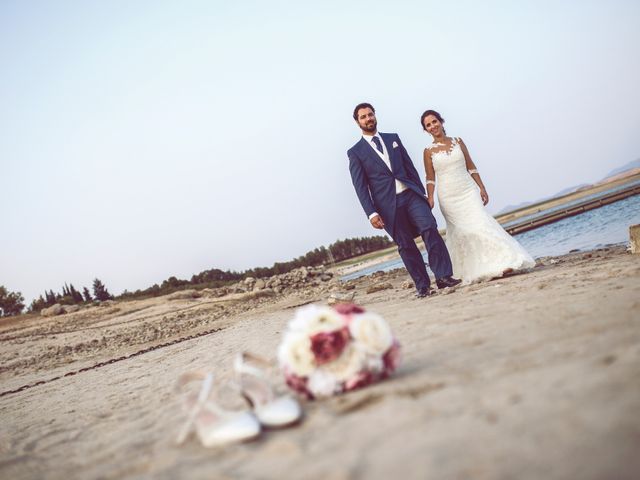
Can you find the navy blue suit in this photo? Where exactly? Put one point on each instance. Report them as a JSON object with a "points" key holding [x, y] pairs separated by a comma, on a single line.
{"points": [[405, 215]]}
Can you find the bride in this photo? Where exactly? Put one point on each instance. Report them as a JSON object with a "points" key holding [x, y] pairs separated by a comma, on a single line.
{"points": [[480, 249]]}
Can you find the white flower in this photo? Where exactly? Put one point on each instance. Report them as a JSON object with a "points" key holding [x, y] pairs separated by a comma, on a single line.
{"points": [[312, 319], [374, 363], [322, 383], [350, 362], [371, 332], [294, 353]]}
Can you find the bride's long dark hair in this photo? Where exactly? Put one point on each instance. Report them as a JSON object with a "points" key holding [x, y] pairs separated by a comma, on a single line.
{"points": [[435, 114]]}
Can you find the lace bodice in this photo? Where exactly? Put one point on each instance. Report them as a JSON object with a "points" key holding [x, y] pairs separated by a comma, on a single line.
{"points": [[448, 160], [450, 167]]}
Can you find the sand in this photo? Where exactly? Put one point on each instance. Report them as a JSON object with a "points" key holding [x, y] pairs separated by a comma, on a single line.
{"points": [[531, 376]]}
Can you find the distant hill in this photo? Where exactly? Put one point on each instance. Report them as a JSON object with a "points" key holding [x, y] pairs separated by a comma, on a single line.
{"points": [[570, 190], [624, 168], [619, 176], [510, 208], [620, 172]]}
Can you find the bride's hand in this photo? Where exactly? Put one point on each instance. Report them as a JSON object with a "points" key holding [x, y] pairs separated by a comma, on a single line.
{"points": [[431, 202], [484, 196]]}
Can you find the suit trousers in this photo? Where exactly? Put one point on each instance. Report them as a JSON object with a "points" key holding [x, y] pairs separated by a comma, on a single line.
{"points": [[414, 215]]}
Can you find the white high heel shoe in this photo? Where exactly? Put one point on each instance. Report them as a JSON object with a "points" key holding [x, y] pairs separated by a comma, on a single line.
{"points": [[214, 425], [272, 411]]}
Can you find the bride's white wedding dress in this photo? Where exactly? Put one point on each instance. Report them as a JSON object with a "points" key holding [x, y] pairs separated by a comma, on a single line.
{"points": [[479, 247]]}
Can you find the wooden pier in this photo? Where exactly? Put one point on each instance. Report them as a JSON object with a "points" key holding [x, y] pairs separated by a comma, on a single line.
{"points": [[573, 210]]}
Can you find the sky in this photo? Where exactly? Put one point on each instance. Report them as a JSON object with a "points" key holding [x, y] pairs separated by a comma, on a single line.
{"points": [[146, 139]]}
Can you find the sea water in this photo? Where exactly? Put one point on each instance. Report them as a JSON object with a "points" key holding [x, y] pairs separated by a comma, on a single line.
{"points": [[572, 203], [586, 231], [593, 229]]}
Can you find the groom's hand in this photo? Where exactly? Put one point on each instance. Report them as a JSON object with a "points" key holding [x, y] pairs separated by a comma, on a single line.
{"points": [[377, 222]]}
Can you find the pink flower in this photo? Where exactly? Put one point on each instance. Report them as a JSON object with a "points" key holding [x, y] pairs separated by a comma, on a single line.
{"points": [[348, 308], [362, 379], [298, 384], [391, 358], [327, 346]]}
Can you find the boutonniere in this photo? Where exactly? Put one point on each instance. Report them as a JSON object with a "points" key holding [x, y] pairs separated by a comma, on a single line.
{"points": [[395, 144]]}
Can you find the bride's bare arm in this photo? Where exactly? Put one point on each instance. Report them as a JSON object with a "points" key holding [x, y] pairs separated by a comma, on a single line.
{"points": [[431, 176], [473, 171]]}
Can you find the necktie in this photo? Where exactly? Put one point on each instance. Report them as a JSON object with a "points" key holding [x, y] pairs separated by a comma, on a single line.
{"points": [[376, 140]]}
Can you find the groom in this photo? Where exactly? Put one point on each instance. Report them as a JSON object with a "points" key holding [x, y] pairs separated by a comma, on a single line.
{"points": [[389, 189]]}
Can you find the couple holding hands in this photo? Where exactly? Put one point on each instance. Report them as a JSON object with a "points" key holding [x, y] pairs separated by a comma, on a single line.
{"points": [[393, 197]]}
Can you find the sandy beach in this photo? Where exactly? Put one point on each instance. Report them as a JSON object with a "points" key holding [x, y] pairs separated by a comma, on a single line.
{"points": [[533, 376]]}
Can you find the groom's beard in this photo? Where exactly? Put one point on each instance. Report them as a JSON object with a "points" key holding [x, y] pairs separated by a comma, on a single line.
{"points": [[370, 127]]}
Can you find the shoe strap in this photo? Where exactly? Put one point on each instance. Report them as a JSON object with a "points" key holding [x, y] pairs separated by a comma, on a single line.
{"points": [[255, 386], [203, 395], [241, 366]]}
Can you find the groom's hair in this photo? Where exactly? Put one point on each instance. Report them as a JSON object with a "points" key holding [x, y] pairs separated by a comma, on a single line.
{"points": [[360, 106], [435, 114]]}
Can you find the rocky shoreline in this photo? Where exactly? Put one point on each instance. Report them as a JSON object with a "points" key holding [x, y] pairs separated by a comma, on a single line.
{"points": [[75, 334]]}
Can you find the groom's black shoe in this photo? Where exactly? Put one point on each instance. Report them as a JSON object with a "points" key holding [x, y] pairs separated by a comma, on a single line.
{"points": [[445, 282], [423, 293]]}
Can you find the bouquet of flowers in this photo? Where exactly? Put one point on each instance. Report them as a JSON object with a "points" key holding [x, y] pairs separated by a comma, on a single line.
{"points": [[330, 350]]}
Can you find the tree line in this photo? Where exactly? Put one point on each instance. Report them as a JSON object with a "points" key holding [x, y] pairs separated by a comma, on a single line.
{"points": [[12, 303]]}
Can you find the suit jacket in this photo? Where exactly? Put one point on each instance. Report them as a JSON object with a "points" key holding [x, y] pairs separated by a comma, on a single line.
{"points": [[375, 184]]}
